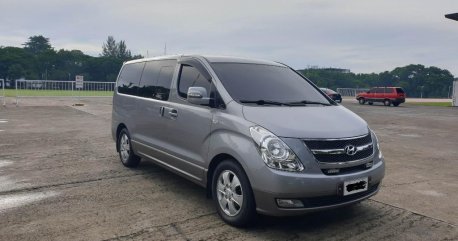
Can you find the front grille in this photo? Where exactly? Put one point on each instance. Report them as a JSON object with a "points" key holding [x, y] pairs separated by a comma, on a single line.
{"points": [[344, 157], [341, 144]]}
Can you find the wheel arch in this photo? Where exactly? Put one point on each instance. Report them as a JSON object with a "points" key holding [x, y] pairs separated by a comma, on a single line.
{"points": [[212, 166]]}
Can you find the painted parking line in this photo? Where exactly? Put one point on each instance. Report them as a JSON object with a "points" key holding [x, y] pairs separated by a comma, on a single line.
{"points": [[3, 121], [16, 200]]}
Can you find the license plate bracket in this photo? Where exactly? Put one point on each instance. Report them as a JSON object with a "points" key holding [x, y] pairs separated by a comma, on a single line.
{"points": [[355, 186]]}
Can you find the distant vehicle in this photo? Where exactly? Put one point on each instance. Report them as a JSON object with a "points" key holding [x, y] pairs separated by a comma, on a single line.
{"points": [[387, 95], [332, 94]]}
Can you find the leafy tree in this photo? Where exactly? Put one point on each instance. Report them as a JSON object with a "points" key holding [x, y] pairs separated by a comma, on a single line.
{"points": [[114, 49], [415, 79], [15, 71], [37, 44], [110, 48], [123, 52]]}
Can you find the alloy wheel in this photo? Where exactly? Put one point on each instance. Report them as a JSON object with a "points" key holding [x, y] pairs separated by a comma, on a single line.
{"points": [[229, 193]]}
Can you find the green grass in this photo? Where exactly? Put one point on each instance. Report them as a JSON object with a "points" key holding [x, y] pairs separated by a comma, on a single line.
{"points": [[12, 93], [442, 104]]}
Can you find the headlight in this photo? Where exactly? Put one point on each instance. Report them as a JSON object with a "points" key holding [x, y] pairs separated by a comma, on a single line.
{"points": [[275, 153], [380, 154]]}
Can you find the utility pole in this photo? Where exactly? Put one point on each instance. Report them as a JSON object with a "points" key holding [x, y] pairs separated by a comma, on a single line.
{"points": [[165, 49], [421, 96]]}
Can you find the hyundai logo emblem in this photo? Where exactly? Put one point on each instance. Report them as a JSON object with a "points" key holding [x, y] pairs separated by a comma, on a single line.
{"points": [[350, 150]]}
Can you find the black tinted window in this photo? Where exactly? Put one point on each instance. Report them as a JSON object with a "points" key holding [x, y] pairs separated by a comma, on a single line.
{"points": [[156, 79], [400, 90], [189, 77], [163, 83], [149, 79], [254, 82], [129, 78]]}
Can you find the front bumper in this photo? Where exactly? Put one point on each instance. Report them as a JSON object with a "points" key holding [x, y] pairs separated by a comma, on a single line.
{"points": [[315, 189], [317, 192]]}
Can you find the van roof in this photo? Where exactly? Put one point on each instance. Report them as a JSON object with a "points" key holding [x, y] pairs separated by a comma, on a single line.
{"points": [[211, 59]]}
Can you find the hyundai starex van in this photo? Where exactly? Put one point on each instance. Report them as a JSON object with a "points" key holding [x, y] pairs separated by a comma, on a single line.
{"points": [[259, 136]]}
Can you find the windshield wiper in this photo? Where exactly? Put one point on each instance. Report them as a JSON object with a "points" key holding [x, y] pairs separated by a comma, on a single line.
{"points": [[264, 102], [308, 102]]}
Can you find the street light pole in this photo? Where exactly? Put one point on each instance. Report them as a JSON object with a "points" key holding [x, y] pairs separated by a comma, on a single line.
{"points": [[448, 96]]}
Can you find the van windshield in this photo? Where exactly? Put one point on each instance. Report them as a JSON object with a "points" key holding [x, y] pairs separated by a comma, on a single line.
{"points": [[267, 85]]}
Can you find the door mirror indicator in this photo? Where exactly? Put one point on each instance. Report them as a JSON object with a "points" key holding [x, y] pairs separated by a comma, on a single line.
{"points": [[198, 96]]}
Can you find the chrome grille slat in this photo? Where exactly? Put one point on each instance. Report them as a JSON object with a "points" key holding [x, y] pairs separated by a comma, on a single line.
{"points": [[333, 151]]}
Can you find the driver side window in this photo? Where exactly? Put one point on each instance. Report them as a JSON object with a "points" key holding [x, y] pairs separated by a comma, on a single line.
{"points": [[190, 77]]}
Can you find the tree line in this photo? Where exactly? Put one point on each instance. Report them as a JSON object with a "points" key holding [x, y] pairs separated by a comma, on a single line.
{"points": [[416, 79], [37, 59]]}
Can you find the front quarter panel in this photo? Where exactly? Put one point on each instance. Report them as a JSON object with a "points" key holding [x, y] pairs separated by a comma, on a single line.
{"points": [[230, 135]]}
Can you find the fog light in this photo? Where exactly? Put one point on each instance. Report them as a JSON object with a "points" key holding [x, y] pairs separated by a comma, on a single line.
{"points": [[290, 203], [369, 164]]}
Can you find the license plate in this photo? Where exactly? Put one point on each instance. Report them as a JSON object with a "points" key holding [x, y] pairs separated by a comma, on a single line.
{"points": [[355, 186]]}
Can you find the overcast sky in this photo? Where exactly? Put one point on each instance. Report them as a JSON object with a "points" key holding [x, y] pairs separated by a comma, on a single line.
{"points": [[361, 35]]}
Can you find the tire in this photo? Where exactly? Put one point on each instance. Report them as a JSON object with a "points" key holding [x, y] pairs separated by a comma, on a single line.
{"points": [[387, 102], [361, 101], [371, 103], [396, 104], [230, 187], [126, 154], [340, 101]]}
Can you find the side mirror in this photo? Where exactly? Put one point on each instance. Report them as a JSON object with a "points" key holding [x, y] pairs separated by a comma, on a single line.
{"points": [[198, 96]]}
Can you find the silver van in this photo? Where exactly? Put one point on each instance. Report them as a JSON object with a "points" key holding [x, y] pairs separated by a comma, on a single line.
{"points": [[259, 136]]}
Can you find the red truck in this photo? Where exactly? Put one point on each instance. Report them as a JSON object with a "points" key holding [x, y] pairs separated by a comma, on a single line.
{"points": [[387, 95]]}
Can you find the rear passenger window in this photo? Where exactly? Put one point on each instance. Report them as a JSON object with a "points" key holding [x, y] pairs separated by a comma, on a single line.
{"points": [[129, 78], [189, 77], [399, 90], [163, 83], [157, 79], [149, 79]]}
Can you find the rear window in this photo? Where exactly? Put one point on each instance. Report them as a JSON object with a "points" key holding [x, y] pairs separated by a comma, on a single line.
{"points": [[254, 82], [129, 78], [400, 91]]}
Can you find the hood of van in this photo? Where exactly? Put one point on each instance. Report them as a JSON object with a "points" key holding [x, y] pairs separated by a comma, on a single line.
{"points": [[307, 121]]}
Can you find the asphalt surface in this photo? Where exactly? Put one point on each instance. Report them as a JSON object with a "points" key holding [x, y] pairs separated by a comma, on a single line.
{"points": [[61, 179]]}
